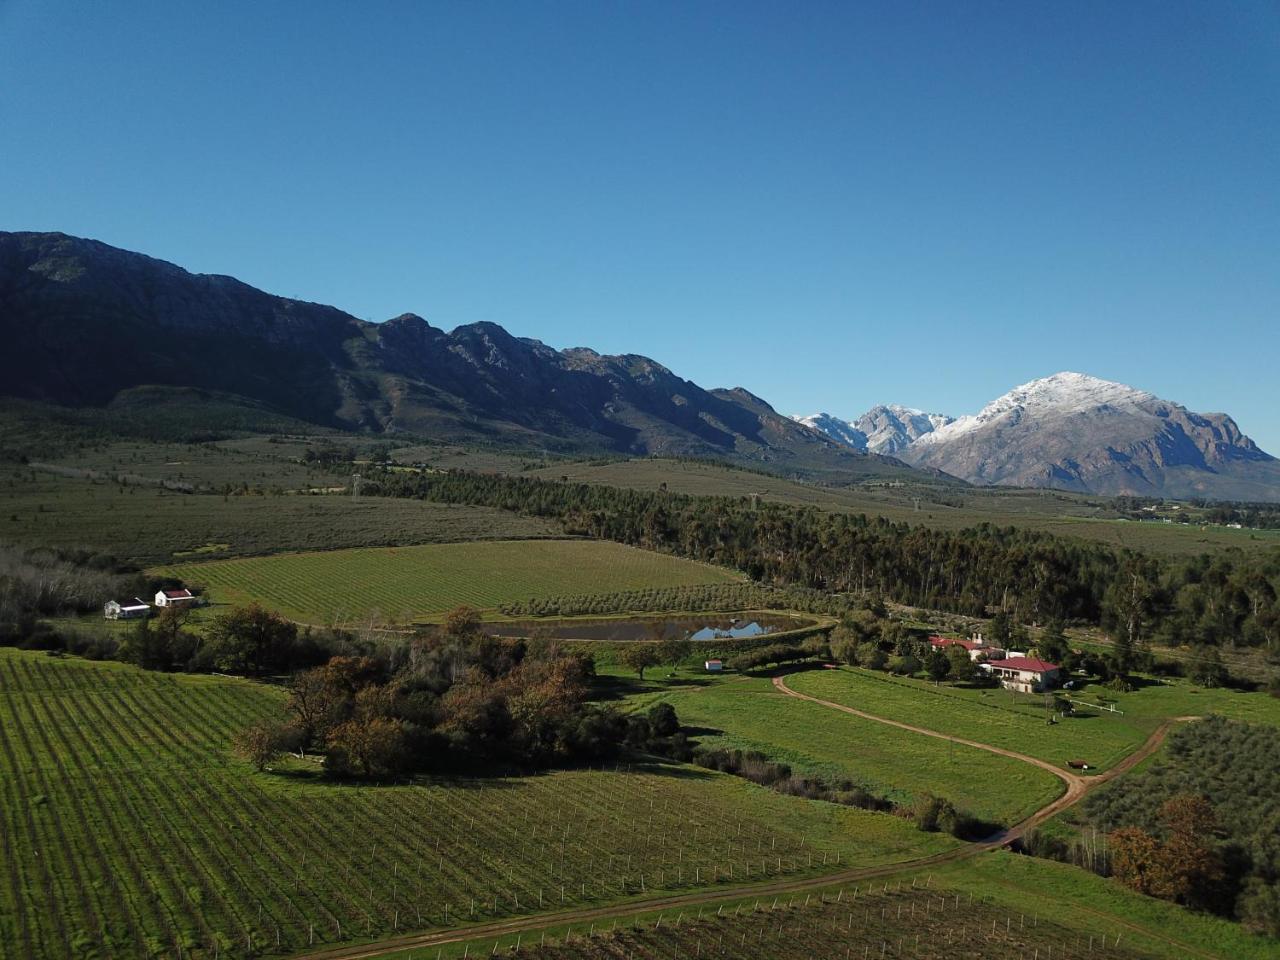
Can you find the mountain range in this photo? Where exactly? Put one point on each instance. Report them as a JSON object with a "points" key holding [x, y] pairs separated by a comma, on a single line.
{"points": [[93, 327], [1071, 431]]}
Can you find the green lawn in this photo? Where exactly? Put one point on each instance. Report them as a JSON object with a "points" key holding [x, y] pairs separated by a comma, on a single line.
{"points": [[1017, 722], [129, 831], [407, 583], [1086, 900], [748, 713]]}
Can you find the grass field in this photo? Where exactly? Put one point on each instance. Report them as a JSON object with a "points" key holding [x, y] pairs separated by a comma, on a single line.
{"points": [[128, 831], [1017, 722], [948, 508], [748, 713], [1156, 927], [407, 583], [152, 525]]}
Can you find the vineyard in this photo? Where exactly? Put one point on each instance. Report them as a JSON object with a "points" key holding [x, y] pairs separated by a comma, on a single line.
{"points": [[916, 920], [148, 524], [128, 831], [404, 583], [699, 598]]}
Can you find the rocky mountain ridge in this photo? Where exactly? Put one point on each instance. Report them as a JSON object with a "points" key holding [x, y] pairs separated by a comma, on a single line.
{"points": [[91, 325], [1072, 431]]}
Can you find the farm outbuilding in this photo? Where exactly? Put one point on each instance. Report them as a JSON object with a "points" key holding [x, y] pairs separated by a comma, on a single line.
{"points": [[714, 665], [174, 598], [130, 609]]}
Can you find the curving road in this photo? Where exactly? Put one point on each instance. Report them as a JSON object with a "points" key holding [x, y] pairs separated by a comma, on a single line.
{"points": [[1076, 788]]}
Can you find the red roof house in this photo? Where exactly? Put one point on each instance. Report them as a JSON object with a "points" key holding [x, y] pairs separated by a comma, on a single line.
{"points": [[1028, 674], [167, 598]]}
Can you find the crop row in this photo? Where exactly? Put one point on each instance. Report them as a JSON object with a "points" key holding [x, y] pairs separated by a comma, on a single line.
{"points": [[922, 923], [121, 806]]}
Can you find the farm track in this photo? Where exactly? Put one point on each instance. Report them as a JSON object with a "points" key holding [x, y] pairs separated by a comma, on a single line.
{"points": [[1076, 789]]}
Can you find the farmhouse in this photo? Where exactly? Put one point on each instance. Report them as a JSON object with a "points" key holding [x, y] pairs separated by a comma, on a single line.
{"points": [[131, 609], [174, 598], [977, 647], [1026, 674]]}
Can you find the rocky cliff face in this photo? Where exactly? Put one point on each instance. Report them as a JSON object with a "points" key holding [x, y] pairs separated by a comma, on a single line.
{"points": [[89, 322]]}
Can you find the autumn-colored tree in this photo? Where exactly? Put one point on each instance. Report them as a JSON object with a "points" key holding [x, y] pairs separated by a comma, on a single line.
{"points": [[368, 746], [260, 743], [323, 697], [1184, 867], [1133, 857], [1188, 866], [462, 621]]}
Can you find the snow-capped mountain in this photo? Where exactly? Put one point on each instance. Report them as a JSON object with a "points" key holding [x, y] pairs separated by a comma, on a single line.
{"points": [[842, 430], [884, 429], [891, 427], [1072, 431], [1050, 398]]}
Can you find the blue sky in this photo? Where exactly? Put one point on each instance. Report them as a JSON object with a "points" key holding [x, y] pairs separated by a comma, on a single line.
{"points": [[832, 205]]}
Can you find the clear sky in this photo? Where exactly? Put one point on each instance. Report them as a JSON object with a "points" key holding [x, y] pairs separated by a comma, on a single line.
{"points": [[832, 205]]}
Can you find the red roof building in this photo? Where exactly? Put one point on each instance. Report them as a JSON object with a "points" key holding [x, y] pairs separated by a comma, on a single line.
{"points": [[953, 642]]}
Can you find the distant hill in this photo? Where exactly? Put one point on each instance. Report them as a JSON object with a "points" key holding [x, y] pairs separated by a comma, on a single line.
{"points": [[93, 326], [1071, 431]]}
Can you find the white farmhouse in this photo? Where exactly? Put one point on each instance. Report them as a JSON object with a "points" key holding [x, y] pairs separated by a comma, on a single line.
{"points": [[1026, 674], [131, 609], [174, 598]]}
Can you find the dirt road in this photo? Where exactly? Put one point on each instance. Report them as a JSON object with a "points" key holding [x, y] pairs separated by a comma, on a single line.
{"points": [[1076, 788]]}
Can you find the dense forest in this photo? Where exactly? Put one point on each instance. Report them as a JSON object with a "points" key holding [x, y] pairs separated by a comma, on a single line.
{"points": [[1226, 599]]}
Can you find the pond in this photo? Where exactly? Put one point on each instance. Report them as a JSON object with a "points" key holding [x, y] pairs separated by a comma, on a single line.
{"points": [[694, 627]]}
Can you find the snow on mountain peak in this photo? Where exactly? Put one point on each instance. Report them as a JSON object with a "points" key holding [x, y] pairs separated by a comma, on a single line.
{"points": [[1060, 395]]}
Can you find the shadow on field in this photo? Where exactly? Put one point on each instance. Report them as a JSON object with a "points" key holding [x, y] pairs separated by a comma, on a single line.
{"points": [[609, 688]]}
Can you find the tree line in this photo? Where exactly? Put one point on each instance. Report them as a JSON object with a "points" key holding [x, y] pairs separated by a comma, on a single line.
{"points": [[1032, 576]]}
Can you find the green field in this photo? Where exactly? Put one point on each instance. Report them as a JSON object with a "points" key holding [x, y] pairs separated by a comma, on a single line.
{"points": [[129, 831], [147, 524], [407, 583], [1017, 722], [1067, 893], [748, 713]]}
